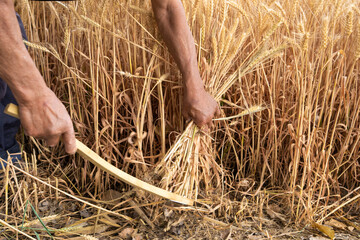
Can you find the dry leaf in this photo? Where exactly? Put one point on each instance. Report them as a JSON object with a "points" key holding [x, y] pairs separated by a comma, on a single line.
{"points": [[85, 213], [335, 223], [325, 230], [84, 237], [127, 232], [111, 195], [255, 237], [348, 222], [273, 214], [317, 238], [216, 221], [109, 222], [137, 237], [168, 213]]}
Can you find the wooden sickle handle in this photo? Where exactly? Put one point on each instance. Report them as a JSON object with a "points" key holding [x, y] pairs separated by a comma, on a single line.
{"points": [[87, 153]]}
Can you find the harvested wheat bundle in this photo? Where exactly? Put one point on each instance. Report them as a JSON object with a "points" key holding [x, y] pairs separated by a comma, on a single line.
{"points": [[191, 161]]}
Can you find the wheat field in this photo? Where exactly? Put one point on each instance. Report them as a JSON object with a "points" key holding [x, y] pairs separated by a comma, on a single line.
{"points": [[285, 73]]}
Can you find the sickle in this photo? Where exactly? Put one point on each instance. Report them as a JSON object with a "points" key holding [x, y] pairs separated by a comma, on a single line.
{"points": [[88, 154]]}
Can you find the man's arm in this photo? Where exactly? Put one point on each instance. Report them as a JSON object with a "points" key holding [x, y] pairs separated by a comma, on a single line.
{"points": [[198, 104], [41, 113]]}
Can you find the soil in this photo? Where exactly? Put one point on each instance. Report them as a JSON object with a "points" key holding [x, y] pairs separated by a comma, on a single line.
{"points": [[173, 222], [139, 216]]}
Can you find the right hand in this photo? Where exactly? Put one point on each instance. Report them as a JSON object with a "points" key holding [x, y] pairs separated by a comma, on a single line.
{"points": [[46, 118], [200, 106]]}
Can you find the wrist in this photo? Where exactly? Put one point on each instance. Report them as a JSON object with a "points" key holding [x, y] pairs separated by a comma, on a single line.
{"points": [[27, 96], [193, 93], [193, 82], [28, 88]]}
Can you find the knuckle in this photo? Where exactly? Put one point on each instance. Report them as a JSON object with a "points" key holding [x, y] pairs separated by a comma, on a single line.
{"points": [[203, 119], [70, 129], [28, 132], [68, 123], [53, 132], [200, 123], [32, 133]]}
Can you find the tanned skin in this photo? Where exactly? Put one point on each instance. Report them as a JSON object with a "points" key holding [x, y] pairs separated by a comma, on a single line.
{"points": [[42, 114], [198, 105]]}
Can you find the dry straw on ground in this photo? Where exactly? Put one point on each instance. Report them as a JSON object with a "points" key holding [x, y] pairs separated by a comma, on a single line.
{"points": [[294, 65]]}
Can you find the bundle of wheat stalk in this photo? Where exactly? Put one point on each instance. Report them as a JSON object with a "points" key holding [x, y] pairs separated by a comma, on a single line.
{"points": [[192, 158]]}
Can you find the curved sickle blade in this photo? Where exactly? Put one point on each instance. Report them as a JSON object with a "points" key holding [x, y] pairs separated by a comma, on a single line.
{"points": [[90, 155]]}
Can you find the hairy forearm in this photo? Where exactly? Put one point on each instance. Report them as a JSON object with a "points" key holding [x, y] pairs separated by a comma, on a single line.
{"points": [[17, 68], [171, 20]]}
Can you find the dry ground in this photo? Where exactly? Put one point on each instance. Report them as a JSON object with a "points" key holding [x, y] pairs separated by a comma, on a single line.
{"points": [[144, 219]]}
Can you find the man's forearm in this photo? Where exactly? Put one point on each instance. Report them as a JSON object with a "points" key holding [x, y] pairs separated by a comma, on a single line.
{"points": [[17, 68], [176, 33]]}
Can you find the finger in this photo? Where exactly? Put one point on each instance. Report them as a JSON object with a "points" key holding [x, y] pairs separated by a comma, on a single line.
{"points": [[186, 115], [69, 141], [210, 125], [198, 123], [52, 141], [217, 112]]}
